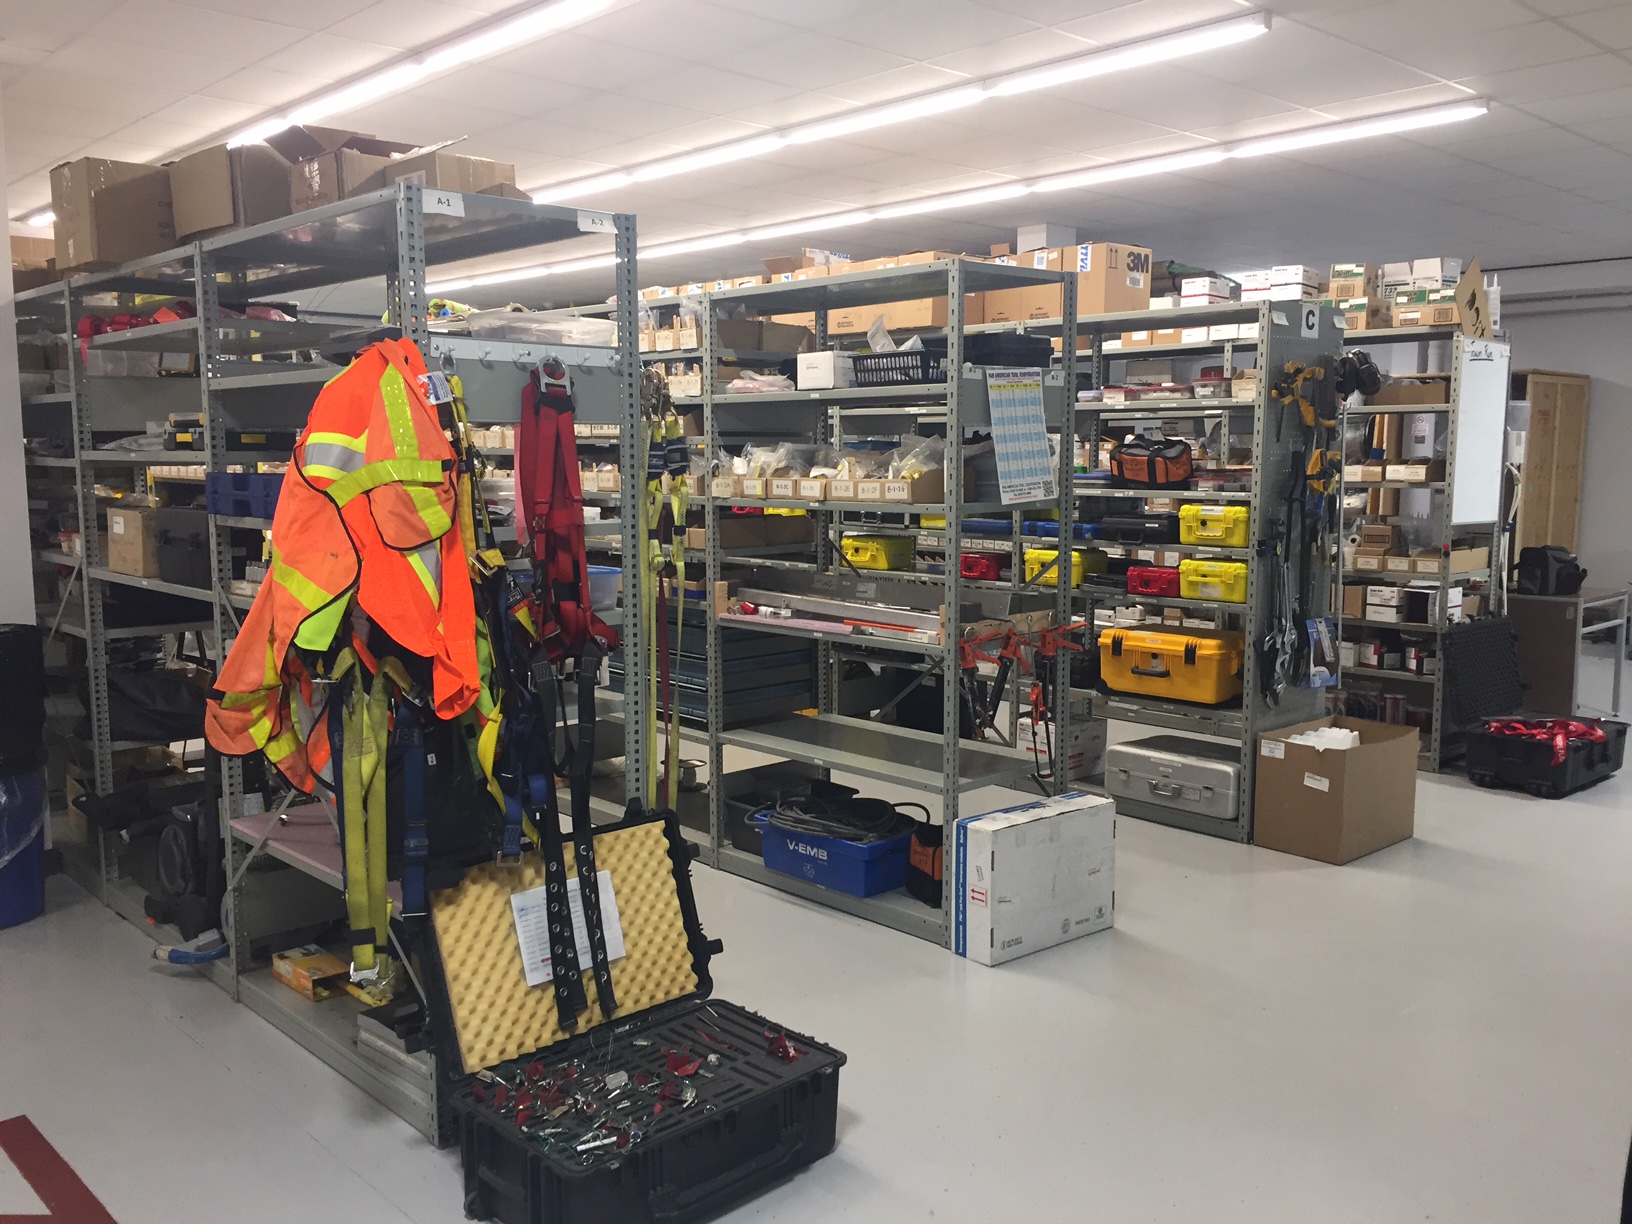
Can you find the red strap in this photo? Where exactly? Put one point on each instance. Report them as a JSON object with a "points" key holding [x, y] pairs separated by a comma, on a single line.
{"points": [[1560, 731]]}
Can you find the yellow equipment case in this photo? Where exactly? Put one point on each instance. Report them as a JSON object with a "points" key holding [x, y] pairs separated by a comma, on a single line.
{"points": [[1176, 666]]}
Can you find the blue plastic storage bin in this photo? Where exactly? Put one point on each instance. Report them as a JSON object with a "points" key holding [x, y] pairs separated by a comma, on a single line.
{"points": [[22, 847], [858, 868]]}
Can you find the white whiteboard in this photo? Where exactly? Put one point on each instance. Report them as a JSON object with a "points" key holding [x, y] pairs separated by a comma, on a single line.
{"points": [[1481, 419]]}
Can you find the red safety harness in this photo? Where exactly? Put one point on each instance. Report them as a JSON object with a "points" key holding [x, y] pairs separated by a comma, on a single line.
{"points": [[1558, 731]]}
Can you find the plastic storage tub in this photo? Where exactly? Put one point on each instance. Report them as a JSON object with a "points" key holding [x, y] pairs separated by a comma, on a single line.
{"points": [[604, 583], [878, 552], [1176, 666], [1527, 764], [858, 868], [1083, 561], [1162, 580], [1224, 581], [1218, 526]]}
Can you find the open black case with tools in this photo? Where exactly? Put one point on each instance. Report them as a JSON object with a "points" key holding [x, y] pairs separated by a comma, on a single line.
{"points": [[676, 1108]]}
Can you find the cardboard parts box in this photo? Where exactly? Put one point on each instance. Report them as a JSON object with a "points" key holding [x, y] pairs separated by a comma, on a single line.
{"points": [[1110, 278], [110, 212], [1034, 875], [328, 165], [1336, 805], [220, 189]]}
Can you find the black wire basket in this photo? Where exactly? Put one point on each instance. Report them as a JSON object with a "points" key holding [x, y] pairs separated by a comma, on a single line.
{"points": [[898, 369]]}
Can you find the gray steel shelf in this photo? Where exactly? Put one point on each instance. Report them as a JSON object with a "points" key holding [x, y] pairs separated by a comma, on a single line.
{"points": [[275, 375], [1164, 601], [51, 461], [1189, 495], [1371, 576], [1401, 335], [897, 909], [969, 509], [839, 397], [1402, 626], [50, 397], [875, 750], [151, 584], [778, 627], [191, 458], [1230, 724], [1438, 485], [1386, 673], [874, 288], [1141, 409], [234, 520], [1400, 409]]}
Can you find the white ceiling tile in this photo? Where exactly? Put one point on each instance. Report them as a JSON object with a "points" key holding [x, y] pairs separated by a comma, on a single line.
{"points": [[428, 123], [693, 31], [1400, 25], [705, 133], [1296, 64], [723, 88], [1485, 49], [406, 24], [110, 63], [324, 55], [16, 55], [800, 108], [1501, 150], [894, 84], [1587, 107], [1146, 18], [228, 39], [207, 114], [1563, 8], [1608, 27], [304, 14], [1026, 50], [927, 29], [1364, 106], [1051, 12], [263, 87], [1155, 103], [162, 135], [803, 15], [122, 150], [53, 24], [578, 60], [1616, 132], [533, 139], [815, 61], [623, 115], [1521, 86], [492, 89]]}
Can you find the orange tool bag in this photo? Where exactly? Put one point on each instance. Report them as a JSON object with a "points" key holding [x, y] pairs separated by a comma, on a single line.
{"points": [[1151, 463]]}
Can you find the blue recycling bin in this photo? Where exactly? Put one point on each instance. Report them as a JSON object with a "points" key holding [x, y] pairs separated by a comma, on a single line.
{"points": [[22, 847]]}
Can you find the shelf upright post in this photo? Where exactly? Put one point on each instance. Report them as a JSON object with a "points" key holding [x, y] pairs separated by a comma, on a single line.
{"points": [[96, 638], [827, 668], [951, 626], [405, 289], [207, 300], [637, 685], [710, 340], [1067, 506]]}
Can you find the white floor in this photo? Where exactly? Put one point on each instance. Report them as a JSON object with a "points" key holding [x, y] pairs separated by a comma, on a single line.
{"points": [[1439, 1032]]}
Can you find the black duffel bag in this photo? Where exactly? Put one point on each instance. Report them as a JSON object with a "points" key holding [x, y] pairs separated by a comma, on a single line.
{"points": [[1549, 570]]}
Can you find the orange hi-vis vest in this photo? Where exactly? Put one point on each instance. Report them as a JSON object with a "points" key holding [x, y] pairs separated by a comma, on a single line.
{"points": [[367, 512]]}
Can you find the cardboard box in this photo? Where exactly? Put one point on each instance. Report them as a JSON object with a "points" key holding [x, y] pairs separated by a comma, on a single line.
{"points": [[1167, 335], [1032, 876], [1411, 389], [1194, 335], [725, 486], [1336, 805], [1378, 535], [1382, 615], [1208, 299], [1294, 274], [109, 212], [442, 171], [1396, 565], [825, 371], [782, 488], [1365, 314], [1462, 561], [133, 546], [311, 971], [219, 189], [932, 312], [1363, 473], [330, 164], [926, 489], [789, 529], [811, 488], [1137, 339], [736, 531], [1355, 280], [1347, 652], [1385, 596], [777, 337], [1368, 561], [1422, 471], [1111, 277], [1354, 602], [1439, 271], [1256, 280], [1436, 314]]}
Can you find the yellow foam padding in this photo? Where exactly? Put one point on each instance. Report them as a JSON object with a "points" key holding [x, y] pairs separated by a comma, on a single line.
{"points": [[496, 1015]]}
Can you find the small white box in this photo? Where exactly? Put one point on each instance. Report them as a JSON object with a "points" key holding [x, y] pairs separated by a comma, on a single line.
{"points": [[826, 371], [1294, 274], [1205, 286], [1390, 616], [1248, 331], [1443, 272], [1347, 652], [1193, 335], [1044, 234], [1201, 299], [1290, 293], [1032, 876], [1258, 278], [1256, 295], [1084, 758], [1224, 331], [1384, 596], [1397, 565], [1114, 342]]}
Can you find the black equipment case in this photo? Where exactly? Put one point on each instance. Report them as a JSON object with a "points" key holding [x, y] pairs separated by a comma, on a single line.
{"points": [[1526, 764], [678, 1108]]}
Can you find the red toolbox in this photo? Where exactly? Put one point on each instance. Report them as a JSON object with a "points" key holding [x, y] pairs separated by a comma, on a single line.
{"points": [[986, 566], [1159, 580]]}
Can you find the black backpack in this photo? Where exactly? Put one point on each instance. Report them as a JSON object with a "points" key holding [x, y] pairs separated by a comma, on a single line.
{"points": [[1549, 570]]}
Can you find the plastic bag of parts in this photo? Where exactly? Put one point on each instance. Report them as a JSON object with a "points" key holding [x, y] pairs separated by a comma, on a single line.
{"points": [[22, 812], [861, 465], [917, 456], [534, 328]]}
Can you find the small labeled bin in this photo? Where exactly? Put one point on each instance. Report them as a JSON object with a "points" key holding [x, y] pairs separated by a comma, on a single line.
{"points": [[1041, 565], [1224, 581], [1217, 526], [1156, 580], [1176, 666], [862, 869], [878, 552]]}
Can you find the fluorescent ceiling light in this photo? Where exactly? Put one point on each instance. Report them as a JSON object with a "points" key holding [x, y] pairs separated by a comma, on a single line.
{"points": [[42, 218], [1119, 58], [504, 35], [1325, 134]]}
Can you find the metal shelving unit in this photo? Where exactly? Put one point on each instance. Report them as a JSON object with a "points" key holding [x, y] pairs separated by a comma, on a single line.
{"points": [[1463, 507], [392, 238], [940, 764], [1279, 335]]}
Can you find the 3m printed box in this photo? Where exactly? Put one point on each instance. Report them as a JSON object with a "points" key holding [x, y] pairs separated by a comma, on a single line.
{"points": [[1034, 875]]}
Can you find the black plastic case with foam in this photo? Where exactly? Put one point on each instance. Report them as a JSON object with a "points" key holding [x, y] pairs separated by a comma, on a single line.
{"points": [[757, 1118]]}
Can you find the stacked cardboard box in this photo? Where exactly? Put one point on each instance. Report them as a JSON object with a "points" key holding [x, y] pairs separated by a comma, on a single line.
{"points": [[1111, 278], [109, 212]]}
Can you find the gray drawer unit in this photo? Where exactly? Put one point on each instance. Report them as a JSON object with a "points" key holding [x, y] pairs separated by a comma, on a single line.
{"points": [[1172, 771]]}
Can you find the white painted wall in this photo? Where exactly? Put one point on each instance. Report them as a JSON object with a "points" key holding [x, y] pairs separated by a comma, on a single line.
{"points": [[16, 566], [1596, 341]]}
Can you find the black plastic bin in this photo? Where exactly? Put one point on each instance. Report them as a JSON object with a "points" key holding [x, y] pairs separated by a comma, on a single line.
{"points": [[756, 1120], [1527, 764]]}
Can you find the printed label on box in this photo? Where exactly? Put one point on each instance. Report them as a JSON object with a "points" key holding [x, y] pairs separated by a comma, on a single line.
{"points": [[1316, 782], [1273, 748]]}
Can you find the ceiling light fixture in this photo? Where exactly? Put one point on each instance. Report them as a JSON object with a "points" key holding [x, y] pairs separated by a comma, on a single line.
{"points": [[1307, 138], [41, 219], [504, 35], [1162, 47]]}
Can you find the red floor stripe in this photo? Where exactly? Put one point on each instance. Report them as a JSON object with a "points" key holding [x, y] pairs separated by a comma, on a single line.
{"points": [[67, 1198]]}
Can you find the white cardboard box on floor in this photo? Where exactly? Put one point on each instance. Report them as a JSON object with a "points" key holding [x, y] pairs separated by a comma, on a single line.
{"points": [[1032, 876]]}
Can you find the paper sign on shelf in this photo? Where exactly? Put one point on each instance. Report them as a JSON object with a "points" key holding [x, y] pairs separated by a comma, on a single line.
{"points": [[595, 222], [448, 203], [533, 929], [1025, 468]]}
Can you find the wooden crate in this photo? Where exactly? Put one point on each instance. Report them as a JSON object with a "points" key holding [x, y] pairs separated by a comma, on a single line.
{"points": [[1555, 457]]}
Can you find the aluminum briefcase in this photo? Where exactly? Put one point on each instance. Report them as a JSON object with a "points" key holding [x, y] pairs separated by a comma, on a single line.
{"points": [[1172, 771]]}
